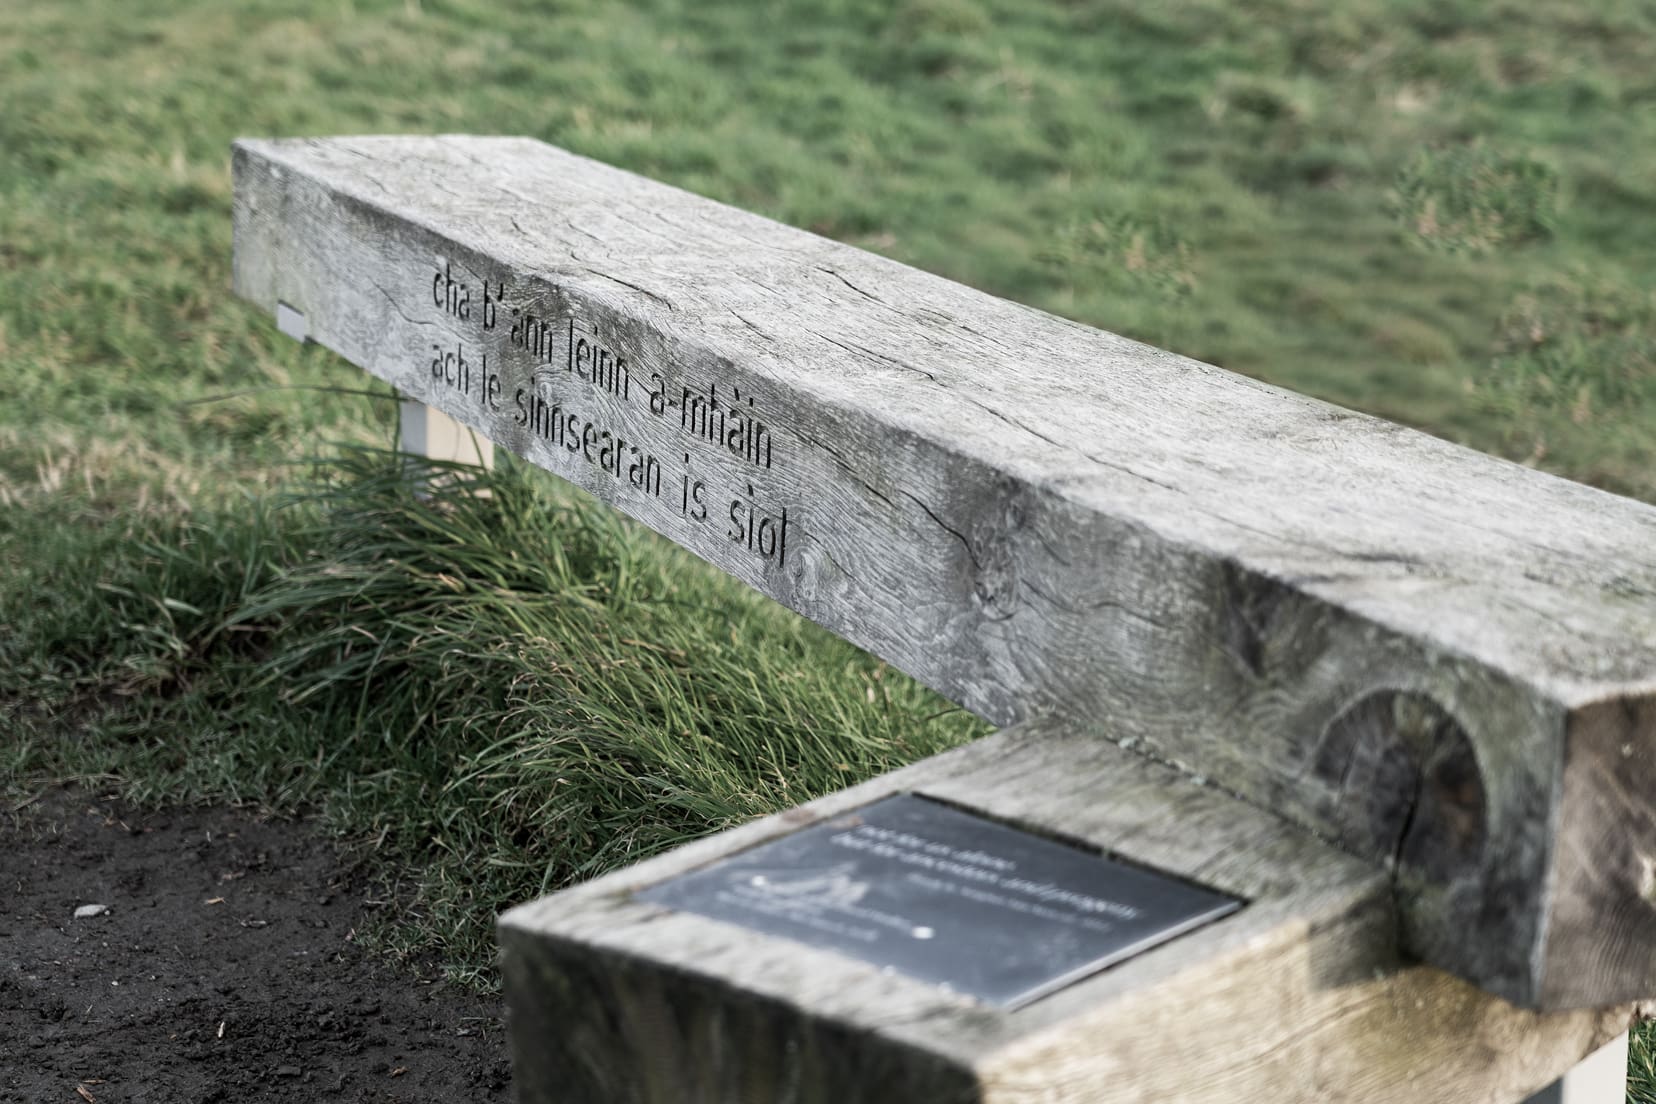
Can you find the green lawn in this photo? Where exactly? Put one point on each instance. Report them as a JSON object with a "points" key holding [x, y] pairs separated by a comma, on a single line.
{"points": [[1435, 210]]}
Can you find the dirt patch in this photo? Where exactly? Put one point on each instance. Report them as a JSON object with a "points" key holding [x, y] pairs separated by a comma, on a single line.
{"points": [[224, 971]]}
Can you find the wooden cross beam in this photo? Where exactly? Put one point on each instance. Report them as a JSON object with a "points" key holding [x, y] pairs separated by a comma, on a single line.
{"points": [[1440, 662]]}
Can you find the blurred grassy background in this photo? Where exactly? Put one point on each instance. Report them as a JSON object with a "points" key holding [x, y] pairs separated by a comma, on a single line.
{"points": [[1437, 210], [1434, 210]]}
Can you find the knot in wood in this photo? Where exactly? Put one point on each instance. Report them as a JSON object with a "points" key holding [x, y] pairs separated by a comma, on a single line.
{"points": [[993, 549], [1405, 786]]}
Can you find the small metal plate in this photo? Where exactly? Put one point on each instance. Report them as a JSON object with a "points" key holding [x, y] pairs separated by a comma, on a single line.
{"points": [[926, 890], [291, 322]]}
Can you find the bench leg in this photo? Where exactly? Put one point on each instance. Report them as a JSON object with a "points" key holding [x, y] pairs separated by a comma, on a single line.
{"points": [[428, 432], [1600, 1078]]}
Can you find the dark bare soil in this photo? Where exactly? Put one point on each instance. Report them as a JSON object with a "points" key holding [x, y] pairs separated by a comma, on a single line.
{"points": [[225, 970]]}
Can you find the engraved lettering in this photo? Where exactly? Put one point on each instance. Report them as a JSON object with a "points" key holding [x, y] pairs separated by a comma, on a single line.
{"points": [[595, 363], [735, 428], [450, 295], [757, 530], [533, 335], [524, 381], [451, 369]]}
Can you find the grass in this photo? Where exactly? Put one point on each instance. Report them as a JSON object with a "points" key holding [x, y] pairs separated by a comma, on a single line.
{"points": [[1641, 1067], [1436, 211], [514, 692]]}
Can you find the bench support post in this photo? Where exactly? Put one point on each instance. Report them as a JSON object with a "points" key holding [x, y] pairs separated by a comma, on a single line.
{"points": [[428, 432], [425, 430]]}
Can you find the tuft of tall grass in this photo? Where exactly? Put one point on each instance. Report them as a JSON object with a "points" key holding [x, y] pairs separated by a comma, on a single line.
{"points": [[505, 691], [1641, 1065], [1573, 379], [1474, 198]]}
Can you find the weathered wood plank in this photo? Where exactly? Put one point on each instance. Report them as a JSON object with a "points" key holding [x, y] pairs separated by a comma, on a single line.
{"points": [[1298, 997], [1385, 637]]}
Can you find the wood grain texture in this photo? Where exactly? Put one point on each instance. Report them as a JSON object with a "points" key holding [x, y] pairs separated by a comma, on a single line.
{"points": [[1375, 633], [1604, 880], [1297, 997]]}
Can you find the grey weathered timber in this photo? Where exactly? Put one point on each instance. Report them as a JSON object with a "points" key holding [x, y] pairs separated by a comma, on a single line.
{"points": [[1299, 997], [1444, 662]]}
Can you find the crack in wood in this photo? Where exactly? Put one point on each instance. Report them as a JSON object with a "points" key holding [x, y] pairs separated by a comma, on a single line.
{"points": [[644, 291], [845, 466], [870, 354], [853, 287]]}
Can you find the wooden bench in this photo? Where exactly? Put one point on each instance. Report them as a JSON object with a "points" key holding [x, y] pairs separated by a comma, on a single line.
{"points": [[1397, 697]]}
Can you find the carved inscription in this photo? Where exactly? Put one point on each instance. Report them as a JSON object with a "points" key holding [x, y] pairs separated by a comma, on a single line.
{"points": [[920, 888], [567, 386]]}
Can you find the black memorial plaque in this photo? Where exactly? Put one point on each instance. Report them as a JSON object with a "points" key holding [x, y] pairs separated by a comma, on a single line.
{"points": [[926, 890]]}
